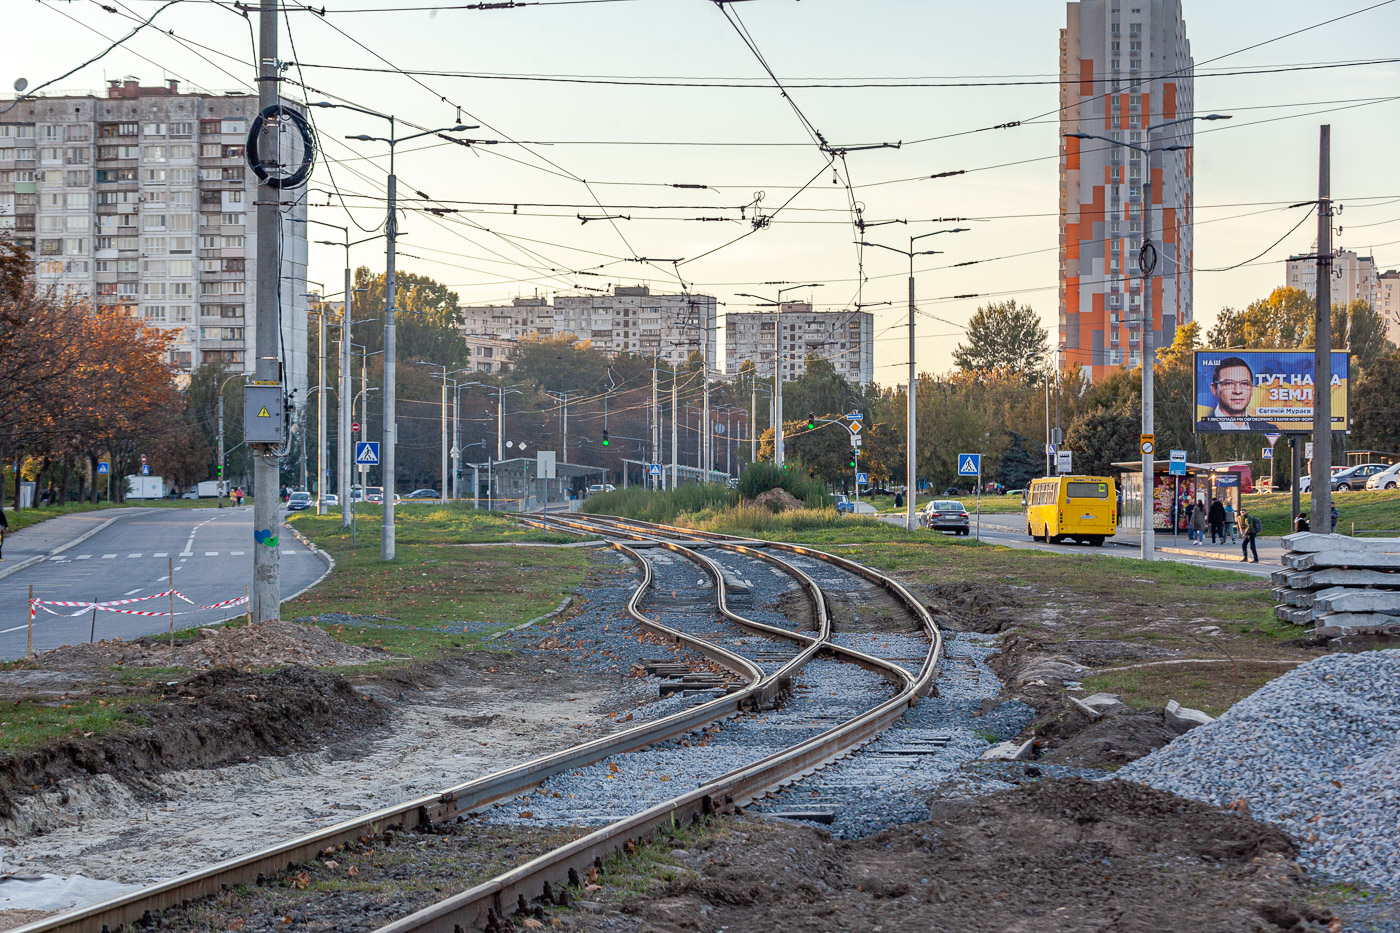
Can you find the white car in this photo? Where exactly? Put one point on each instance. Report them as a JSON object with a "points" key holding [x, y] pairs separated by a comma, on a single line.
{"points": [[1388, 478]]}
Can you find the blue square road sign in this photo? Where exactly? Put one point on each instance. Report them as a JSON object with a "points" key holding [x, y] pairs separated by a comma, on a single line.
{"points": [[367, 453], [969, 464], [863, 478], [655, 470]]}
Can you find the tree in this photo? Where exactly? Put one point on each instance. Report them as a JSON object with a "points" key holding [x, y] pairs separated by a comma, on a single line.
{"points": [[1360, 328], [1102, 437], [1375, 405], [1183, 347], [1003, 336], [1282, 321]]}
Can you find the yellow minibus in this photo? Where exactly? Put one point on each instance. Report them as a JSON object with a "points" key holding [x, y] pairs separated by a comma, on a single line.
{"points": [[1084, 508]]}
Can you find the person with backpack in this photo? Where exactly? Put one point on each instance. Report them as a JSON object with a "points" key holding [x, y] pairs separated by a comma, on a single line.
{"points": [[1249, 530]]}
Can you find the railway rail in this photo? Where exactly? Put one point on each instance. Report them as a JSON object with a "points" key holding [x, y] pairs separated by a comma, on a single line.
{"points": [[489, 905]]}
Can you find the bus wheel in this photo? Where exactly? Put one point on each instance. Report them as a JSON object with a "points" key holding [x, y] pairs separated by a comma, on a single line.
{"points": [[1030, 532], [1096, 540], [1053, 539]]}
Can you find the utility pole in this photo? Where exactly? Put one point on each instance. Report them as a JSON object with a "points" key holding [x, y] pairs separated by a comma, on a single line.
{"points": [[1322, 346], [456, 442], [777, 382], [391, 427], [753, 415], [911, 447], [655, 420], [220, 477], [346, 445], [321, 416], [444, 435], [266, 591], [675, 445]]}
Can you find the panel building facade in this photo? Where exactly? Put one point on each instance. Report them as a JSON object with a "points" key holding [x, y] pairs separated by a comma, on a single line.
{"points": [[846, 338], [1125, 66], [630, 320], [142, 201]]}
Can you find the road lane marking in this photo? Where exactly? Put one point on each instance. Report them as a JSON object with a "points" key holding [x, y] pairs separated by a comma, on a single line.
{"points": [[82, 557], [108, 556], [135, 591], [129, 556], [17, 628], [236, 553], [184, 554], [211, 553]]}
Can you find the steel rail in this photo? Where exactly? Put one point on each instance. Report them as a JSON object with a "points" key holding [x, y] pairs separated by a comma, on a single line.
{"points": [[434, 808], [485, 904]]}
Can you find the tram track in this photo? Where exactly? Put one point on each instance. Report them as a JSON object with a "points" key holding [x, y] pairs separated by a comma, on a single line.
{"points": [[752, 685]]}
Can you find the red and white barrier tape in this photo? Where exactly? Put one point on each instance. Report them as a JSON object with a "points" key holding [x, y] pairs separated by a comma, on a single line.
{"points": [[111, 605]]}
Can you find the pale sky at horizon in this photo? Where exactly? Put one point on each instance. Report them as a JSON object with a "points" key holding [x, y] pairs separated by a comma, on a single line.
{"points": [[1247, 173]]}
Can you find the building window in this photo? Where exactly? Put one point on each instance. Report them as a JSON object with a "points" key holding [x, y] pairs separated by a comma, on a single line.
{"points": [[153, 312]]}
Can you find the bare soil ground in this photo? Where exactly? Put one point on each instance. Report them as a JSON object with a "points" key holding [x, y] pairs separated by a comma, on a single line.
{"points": [[1060, 855]]}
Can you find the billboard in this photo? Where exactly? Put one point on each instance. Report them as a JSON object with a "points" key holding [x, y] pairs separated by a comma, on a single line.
{"points": [[1269, 391]]}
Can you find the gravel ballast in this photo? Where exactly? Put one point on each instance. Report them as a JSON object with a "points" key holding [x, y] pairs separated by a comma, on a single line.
{"points": [[1316, 752]]}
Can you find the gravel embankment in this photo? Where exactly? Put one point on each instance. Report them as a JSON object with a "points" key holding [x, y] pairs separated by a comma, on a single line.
{"points": [[1317, 752]]}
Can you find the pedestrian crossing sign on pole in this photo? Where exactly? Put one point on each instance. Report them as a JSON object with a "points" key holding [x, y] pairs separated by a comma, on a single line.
{"points": [[367, 453], [654, 470], [863, 478], [103, 467], [969, 464]]}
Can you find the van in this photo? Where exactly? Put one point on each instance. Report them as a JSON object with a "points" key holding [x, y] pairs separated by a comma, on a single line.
{"points": [[1084, 508]]}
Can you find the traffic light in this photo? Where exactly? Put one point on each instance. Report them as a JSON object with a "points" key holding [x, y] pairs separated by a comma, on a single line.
{"points": [[606, 442], [811, 420], [219, 472], [852, 462]]}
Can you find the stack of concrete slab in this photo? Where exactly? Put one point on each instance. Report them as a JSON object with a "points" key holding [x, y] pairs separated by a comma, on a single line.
{"points": [[1340, 585]]}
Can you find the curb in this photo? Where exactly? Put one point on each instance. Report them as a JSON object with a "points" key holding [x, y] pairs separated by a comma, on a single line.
{"points": [[565, 604], [38, 558]]}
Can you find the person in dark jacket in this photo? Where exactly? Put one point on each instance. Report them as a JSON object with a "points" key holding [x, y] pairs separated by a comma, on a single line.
{"points": [[4, 527], [1216, 519], [1301, 523]]}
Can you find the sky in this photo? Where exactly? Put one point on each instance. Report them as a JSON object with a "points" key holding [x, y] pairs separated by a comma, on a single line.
{"points": [[570, 152]]}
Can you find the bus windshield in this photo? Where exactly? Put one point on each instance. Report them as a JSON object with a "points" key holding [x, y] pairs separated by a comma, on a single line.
{"points": [[1087, 490]]}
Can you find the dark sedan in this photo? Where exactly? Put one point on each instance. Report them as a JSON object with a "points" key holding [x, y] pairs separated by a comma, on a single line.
{"points": [[945, 515]]}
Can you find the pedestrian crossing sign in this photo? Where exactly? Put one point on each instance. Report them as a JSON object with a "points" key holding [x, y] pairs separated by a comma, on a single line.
{"points": [[969, 464], [103, 467], [655, 470], [367, 453], [863, 478]]}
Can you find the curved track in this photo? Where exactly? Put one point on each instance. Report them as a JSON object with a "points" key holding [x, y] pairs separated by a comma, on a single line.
{"points": [[487, 905]]}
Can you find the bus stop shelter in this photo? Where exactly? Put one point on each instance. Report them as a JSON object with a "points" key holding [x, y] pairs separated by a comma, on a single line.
{"points": [[514, 485], [1202, 482]]}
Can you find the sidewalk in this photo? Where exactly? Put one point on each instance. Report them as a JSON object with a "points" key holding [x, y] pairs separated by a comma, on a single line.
{"points": [[1270, 550], [28, 546]]}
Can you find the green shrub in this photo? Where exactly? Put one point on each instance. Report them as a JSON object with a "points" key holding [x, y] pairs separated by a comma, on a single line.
{"points": [[758, 478], [663, 506]]}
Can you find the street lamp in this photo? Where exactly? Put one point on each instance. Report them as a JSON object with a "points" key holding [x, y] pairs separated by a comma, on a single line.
{"points": [[345, 446], [910, 455], [443, 375], [778, 364], [1147, 263], [386, 541]]}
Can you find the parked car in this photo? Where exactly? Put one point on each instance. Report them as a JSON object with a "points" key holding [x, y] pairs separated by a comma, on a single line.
{"points": [[1388, 478], [600, 487], [331, 498], [945, 515], [1355, 477], [374, 494], [1015, 492], [420, 494], [299, 501], [844, 505], [190, 494]]}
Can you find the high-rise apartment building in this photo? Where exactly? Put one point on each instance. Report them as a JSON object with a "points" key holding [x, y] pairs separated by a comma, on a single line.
{"points": [[846, 338], [1388, 303], [1354, 277], [630, 320], [1125, 66], [142, 200]]}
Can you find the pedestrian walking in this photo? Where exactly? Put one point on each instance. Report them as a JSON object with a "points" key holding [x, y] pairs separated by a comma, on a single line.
{"points": [[1336, 520], [1230, 521], [1249, 530], [4, 527], [899, 500], [1197, 523], [1216, 518], [1300, 523], [238, 496]]}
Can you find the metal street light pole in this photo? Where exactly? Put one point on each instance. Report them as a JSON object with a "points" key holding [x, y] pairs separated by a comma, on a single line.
{"points": [[1147, 264], [910, 429], [391, 430], [778, 447], [222, 479]]}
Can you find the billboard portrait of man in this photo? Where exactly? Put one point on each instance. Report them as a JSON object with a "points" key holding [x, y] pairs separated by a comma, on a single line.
{"points": [[1232, 384]]}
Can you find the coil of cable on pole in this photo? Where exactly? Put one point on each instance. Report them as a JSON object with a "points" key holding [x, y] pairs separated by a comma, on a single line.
{"points": [[273, 172]]}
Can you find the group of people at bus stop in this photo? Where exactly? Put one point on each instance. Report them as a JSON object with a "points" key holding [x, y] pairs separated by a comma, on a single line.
{"points": [[1222, 520]]}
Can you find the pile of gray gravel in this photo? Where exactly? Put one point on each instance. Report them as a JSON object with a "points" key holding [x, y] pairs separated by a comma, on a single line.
{"points": [[1317, 752]]}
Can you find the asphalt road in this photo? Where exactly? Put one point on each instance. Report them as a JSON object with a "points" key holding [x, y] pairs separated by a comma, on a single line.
{"points": [[212, 553], [1009, 530]]}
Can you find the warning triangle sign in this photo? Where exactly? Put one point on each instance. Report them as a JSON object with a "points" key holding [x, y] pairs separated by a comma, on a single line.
{"points": [[264, 413], [968, 466]]}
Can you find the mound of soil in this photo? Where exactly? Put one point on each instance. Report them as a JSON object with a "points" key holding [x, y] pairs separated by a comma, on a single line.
{"points": [[263, 644], [777, 499], [1057, 855], [213, 719]]}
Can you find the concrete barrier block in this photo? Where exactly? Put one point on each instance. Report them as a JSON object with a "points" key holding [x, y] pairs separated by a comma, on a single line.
{"points": [[1181, 719]]}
